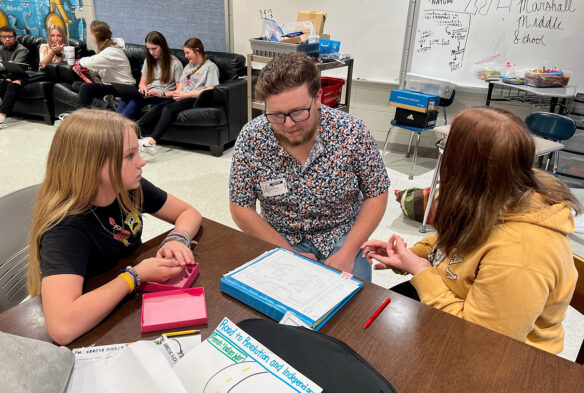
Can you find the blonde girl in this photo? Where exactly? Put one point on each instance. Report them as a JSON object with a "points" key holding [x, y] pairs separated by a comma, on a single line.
{"points": [[52, 51], [88, 216]]}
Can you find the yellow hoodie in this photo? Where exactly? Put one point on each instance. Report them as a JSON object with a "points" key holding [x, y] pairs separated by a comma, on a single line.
{"points": [[519, 283]]}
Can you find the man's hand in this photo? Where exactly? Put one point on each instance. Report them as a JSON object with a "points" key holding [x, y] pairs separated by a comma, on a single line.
{"points": [[341, 260], [308, 255]]}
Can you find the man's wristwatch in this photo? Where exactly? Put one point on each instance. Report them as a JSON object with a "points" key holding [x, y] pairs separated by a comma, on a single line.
{"points": [[163, 94]]}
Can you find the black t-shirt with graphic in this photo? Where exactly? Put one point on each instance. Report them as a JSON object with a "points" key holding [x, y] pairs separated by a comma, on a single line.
{"points": [[93, 242]]}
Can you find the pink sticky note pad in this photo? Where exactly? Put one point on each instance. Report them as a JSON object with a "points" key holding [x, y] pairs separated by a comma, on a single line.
{"points": [[180, 281], [173, 309]]}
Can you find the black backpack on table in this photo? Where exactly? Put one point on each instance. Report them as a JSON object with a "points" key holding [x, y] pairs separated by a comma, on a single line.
{"points": [[328, 362]]}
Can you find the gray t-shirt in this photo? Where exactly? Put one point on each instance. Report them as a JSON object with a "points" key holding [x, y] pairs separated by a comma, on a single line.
{"points": [[176, 68], [206, 76]]}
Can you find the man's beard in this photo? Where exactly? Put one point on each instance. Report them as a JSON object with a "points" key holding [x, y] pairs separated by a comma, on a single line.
{"points": [[283, 139]]}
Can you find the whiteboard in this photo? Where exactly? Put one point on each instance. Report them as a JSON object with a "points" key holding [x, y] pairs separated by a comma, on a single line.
{"points": [[451, 36], [371, 31]]}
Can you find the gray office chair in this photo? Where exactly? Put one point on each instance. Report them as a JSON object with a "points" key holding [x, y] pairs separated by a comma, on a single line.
{"points": [[16, 211]]}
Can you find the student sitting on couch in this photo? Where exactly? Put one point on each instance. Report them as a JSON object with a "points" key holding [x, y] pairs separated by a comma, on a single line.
{"points": [[160, 76]]}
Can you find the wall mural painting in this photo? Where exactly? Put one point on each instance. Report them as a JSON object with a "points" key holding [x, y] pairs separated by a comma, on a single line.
{"points": [[33, 16]]}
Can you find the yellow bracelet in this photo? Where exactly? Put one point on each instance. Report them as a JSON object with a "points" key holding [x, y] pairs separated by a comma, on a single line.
{"points": [[129, 280]]}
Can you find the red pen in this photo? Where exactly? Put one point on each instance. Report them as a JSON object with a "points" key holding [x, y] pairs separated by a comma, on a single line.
{"points": [[379, 310]]}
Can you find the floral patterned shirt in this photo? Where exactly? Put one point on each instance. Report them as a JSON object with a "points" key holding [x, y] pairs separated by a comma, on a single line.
{"points": [[319, 200]]}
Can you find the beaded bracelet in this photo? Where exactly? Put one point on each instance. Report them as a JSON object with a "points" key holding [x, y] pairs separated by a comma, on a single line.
{"points": [[178, 235], [176, 238], [181, 232], [130, 280], [135, 276]]}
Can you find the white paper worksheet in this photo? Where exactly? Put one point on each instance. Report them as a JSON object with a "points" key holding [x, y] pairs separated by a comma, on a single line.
{"points": [[305, 286]]}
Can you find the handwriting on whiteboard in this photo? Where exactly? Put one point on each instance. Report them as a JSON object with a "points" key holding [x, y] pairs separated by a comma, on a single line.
{"points": [[449, 33], [447, 27]]}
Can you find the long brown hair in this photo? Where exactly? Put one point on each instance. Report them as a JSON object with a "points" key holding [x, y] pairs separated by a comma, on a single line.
{"points": [[196, 45], [487, 172], [102, 33], [156, 38], [85, 141]]}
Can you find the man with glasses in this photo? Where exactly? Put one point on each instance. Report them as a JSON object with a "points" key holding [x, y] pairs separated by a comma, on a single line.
{"points": [[317, 171], [11, 50]]}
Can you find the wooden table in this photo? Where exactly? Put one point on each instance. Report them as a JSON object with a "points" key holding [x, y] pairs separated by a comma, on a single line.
{"points": [[417, 348]]}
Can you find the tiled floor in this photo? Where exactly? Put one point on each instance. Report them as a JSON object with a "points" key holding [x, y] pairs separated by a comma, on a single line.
{"points": [[202, 180]]}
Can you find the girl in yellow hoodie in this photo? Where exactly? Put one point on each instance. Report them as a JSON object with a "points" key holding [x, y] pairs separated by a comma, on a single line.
{"points": [[501, 257]]}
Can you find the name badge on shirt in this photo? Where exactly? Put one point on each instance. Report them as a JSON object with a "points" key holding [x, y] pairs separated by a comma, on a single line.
{"points": [[275, 187]]}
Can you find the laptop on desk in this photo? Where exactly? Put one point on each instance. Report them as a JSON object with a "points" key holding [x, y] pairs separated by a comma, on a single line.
{"points": [[129, 91], [14, 68]]}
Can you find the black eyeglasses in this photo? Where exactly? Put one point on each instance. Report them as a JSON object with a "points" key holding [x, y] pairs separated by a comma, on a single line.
{"points": [[296, 116], [7, 37]]}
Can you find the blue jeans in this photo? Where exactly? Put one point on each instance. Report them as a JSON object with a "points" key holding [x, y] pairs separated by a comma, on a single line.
{"points": [[361, 269], [131, 107]]}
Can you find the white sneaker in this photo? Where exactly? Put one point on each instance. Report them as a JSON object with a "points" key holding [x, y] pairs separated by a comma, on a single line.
{"points": [[60, 118], [146, 146]]}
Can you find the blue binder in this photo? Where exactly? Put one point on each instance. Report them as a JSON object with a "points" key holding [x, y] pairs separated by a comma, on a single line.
{"points": [[273, 308]]}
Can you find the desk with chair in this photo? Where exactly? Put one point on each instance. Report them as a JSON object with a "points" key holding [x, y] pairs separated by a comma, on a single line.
{"points": [[535, 95], [415, 347], [444, 103], [551, 126]]}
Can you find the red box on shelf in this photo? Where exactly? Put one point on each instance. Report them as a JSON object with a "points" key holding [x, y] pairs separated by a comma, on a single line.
{"points": [[331, 90]]}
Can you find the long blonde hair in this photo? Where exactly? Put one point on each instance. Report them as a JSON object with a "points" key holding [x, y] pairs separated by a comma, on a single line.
{"points": [[85, 141], [60, 30]]}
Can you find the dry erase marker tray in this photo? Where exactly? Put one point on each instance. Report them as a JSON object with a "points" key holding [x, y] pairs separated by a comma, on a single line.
{"points": [[180, 281], [173, 309]]}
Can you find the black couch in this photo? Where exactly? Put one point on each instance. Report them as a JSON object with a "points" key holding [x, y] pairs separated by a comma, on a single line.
{"points": [[35, 98], [215, 119]]}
